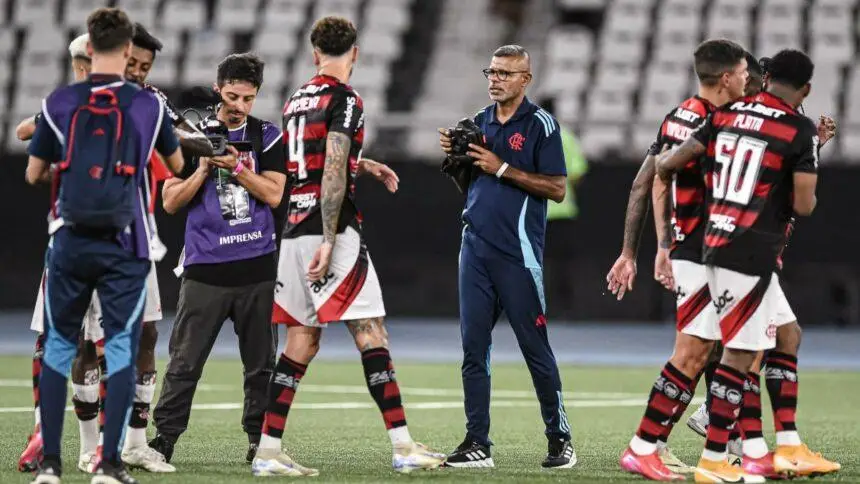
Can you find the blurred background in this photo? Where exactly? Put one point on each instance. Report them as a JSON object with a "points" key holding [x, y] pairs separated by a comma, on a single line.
{"points": [[608, 69]]}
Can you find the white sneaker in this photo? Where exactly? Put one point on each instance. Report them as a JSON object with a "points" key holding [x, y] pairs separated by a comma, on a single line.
{"points": [[87, 462], [698, 422], [147, 458], [416, 456], [45, 479], [672, 462], [270, 462]]}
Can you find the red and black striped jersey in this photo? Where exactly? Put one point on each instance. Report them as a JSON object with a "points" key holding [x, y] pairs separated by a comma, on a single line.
{"points": [[688, 186], [754, 147], [321, 106]]}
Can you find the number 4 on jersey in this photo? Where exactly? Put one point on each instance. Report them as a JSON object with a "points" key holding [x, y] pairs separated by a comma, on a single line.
{"points": [[296, 144], [739, 158]]}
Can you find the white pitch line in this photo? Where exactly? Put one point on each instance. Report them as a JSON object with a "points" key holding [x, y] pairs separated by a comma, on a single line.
{"points": [[362, 390], [633, 402], [16, 383]]}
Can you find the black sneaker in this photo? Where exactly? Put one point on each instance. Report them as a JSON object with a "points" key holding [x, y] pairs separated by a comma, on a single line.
{"points": [[252, 452], [164, 445], [49, 472], [470, 454], [112, 473], [560, 454]]}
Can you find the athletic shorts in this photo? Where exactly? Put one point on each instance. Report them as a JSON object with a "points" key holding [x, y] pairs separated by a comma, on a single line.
{"points": [[92, 325], [784, 313], [350, 290], [748, 308], [696, 315]]}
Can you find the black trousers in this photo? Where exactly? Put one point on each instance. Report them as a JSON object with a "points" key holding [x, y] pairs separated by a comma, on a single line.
{"points": [[201, 312]]}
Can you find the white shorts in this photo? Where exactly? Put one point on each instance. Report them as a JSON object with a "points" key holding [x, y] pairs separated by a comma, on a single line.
{"points": [[696, 314], [350, 291], [92, 326], [748, 308], [783, 314]]}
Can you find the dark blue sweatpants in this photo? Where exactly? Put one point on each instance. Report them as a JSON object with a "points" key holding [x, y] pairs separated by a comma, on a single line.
{"points": [[78, 265], [492, 282]]}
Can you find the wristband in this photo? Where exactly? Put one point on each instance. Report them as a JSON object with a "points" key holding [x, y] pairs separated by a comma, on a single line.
{"points": [[239, 167], [502, 170]]}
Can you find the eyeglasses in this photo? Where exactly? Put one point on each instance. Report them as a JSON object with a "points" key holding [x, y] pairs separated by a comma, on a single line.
{"points": [[500, 74]]}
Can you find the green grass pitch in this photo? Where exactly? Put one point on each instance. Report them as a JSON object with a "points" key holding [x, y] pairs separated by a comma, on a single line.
{"points": [[335, 427]]}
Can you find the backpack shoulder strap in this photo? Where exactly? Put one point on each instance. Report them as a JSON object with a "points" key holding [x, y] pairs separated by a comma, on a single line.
{"points": [[255, 134]]}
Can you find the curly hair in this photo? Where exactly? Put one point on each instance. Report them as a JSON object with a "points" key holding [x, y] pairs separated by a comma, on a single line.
{"points": [[245, 67], [333, 36], [791, 67], [109, 29]]}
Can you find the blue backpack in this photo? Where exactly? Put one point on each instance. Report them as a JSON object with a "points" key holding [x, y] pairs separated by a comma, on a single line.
{"points": [[97, 182]]}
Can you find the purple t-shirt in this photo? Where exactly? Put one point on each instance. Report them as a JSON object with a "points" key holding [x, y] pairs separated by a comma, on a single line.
{"points": [[225, 222], [148, 117]]}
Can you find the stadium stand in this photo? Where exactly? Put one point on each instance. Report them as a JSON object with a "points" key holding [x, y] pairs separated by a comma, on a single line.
{"points": [[612, 66], [606, 113]]}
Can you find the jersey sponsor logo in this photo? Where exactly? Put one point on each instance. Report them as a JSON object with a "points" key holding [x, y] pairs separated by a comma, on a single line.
{"points": [[723, 222], [516, 141], [319, 285], [748, 122], [304, 200], [724, 301], [303, 104], [758, 108], [678, 131], [347, 116], [246, 237], [311, 89], [686, 115]]}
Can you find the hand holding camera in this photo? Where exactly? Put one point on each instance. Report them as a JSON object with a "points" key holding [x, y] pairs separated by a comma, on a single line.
{"points": [[228, 160], [455, 142]]}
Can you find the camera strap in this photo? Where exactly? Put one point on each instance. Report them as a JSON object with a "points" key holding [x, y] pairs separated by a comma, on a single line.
{"points": [[255, 135]]}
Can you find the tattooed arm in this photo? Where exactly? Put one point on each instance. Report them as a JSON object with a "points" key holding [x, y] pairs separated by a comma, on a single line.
{"points": [[662, 212], [623, 272], [333, 191], [637, 208], [674, 160], [663, 225], [334, 183]]}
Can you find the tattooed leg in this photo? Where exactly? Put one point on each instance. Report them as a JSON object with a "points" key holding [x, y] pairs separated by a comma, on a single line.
{"points": [[368, 333], [371, 339]]}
